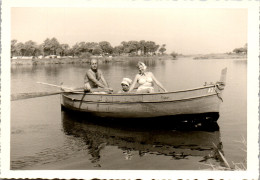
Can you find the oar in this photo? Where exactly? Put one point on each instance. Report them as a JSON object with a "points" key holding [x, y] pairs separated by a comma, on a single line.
{"points": [[93, 90], [76, 89], [54, 85], [19, 96], [40, 94]]}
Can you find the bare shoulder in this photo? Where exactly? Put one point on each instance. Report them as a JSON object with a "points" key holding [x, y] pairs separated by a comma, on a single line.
{"points": [[89, 72]]}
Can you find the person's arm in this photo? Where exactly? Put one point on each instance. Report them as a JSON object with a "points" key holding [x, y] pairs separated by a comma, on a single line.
{"points": [[94, 80], [157, 82], [134, 82], [105, 83], [103, 80], [87, 86]]}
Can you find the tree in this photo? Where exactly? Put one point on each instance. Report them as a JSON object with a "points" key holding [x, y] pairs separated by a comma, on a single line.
{"points": [[13, 47], [53, 47], [238, 50], [241, 50], [133, 46], [125, 47], [150, 47], [142, 46], [46, 47], [118, 49], [50, 46], [90, 46], [31, 48], [174, 55], [245, 48], [106, 47], [20, 49], [162, 49], [75, 50], [97, 50], [65, 49]]}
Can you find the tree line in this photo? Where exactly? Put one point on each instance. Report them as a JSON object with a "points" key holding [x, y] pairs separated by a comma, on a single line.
{"points": [[241, 49], [54, 47]]}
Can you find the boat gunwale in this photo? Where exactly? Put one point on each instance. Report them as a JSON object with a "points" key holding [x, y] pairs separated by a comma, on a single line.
{"points": [[138, 94], [138, 102]]}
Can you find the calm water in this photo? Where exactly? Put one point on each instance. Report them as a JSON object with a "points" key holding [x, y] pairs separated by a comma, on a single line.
{"points": [[44, 137]]}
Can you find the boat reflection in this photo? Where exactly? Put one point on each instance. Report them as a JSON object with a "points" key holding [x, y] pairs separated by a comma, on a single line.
{"points": [[179, 140]]}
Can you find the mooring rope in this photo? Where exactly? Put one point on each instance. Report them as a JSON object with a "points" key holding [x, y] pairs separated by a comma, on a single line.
{"points": [[219, 86]]}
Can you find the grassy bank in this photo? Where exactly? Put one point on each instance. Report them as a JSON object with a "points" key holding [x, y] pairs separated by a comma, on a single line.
{"points": [[221, 56], [84, 60], [224, 164]]}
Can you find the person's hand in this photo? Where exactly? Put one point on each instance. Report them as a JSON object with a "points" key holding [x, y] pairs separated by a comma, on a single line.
{"points": [[110, 90], [87, 90]]}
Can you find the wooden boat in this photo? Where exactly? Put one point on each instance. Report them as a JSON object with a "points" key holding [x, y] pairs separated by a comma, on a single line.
{"points": [[204, 99]]}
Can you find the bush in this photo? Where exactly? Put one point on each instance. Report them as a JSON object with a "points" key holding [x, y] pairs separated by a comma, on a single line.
{"points": [[174, 55]]}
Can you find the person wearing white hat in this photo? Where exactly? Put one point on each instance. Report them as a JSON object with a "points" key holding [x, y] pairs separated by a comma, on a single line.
{"points": [[126, 82]]}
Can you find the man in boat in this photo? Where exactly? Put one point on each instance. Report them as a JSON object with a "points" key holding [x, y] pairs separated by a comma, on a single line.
{"points": [[94, 78]]}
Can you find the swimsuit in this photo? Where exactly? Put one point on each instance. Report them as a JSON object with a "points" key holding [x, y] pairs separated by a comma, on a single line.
{"points": [[146, 84]]}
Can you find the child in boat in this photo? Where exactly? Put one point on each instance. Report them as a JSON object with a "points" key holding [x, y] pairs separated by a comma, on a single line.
{"points": [[126, 82]]}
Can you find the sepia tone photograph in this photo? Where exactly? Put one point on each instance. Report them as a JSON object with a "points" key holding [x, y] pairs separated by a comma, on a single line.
{"points": [[128, 88], [93, 90]]}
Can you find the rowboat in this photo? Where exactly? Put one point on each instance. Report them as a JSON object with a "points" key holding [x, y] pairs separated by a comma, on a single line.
{"points": [[201, 100]]}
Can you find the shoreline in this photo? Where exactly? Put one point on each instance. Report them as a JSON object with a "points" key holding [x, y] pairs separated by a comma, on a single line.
{"points": [[84, 60], [220, 56], [122, 59]]}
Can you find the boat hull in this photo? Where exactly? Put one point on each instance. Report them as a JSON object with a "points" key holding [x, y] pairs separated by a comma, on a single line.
{"points": [[208, 104]]}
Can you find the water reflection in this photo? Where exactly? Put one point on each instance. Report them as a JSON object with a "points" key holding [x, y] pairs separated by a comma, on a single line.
{"points": [[149, 62], [179, 141], [19, 69], [52, 71]]}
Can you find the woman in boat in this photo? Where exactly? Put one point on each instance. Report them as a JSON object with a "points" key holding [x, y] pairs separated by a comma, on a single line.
{"points": [[145, 80], [126, 82]]}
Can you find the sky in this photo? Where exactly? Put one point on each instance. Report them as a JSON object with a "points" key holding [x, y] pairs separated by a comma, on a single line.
{"points": [[185, 31]]}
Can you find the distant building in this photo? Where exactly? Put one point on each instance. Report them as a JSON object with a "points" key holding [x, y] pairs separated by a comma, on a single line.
{"points": [[27, 57], [51, 56]]}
